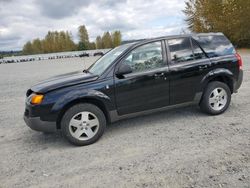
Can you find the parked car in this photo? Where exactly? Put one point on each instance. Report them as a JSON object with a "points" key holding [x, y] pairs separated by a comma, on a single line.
{"points": [[10, 61], [84, 54], [98, 54], [134, 79]]}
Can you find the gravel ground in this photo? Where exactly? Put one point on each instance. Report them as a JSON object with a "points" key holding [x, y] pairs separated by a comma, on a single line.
{"points": [[177, 148]]}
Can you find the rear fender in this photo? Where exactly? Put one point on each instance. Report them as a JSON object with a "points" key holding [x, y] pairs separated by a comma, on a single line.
{"points": [[219, 72]]}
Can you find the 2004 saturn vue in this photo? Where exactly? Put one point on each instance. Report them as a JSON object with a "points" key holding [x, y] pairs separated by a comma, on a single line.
{"points": [[137, 78]]}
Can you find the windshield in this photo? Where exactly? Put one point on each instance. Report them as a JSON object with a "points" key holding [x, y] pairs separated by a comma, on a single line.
{"points": [[102, 64]]}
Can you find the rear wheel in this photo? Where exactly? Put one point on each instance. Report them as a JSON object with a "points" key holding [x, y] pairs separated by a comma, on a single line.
{"points": [[83, 124], [216, 98]]}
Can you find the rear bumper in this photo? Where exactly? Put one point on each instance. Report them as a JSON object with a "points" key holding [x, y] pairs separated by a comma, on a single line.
{"points": [[37, 124], [239, 81]]}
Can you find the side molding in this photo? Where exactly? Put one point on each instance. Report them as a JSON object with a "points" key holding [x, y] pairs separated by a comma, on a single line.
{"points": [[114, 116]]}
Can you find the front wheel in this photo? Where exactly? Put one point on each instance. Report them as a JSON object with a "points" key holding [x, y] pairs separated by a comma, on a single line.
{"points": [[83, 124], [216, 98]]}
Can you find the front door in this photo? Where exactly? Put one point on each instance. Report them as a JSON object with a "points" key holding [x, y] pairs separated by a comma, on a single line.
{"points": [[147, 87]]}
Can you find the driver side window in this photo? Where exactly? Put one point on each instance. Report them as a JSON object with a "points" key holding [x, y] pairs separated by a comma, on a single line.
{"points": [[146, 57]]}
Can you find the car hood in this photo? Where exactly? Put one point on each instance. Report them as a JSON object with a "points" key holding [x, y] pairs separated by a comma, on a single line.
{"points": [[63, 80]]}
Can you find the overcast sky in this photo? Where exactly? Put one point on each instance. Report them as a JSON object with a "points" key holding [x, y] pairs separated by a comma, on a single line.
{"points": [[23, 20]]}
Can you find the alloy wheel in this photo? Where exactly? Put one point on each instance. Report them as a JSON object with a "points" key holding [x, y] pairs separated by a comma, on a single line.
{"points": [[218, 99], [84, 125]]}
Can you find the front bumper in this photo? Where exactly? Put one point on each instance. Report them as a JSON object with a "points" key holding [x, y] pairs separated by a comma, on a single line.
{"points": [[37, 124]]}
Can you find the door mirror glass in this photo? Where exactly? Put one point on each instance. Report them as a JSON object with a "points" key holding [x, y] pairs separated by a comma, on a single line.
{"points": [[123, 69]]}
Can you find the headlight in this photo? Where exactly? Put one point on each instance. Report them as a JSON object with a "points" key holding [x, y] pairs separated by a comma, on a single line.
{"points": [[36, 99]]}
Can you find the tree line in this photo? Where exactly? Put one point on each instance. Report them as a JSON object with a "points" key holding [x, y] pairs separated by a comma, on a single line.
{"points": [[61, 41], [228, 16]]}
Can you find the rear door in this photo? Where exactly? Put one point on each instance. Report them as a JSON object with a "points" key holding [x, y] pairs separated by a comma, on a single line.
{"points": [[188, 65]]}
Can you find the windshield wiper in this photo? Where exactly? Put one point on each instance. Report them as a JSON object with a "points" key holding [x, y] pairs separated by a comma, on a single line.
{"points": [[86, 71]]}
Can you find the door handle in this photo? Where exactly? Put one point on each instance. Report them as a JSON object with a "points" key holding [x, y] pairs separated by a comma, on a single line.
{"points": [[201, 67], [158, 75]]}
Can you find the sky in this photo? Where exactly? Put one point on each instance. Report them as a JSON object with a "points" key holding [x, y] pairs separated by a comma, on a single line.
{"points": [[24, 20]]}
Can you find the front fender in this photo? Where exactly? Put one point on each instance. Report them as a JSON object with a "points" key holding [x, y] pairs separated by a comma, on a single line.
{"points": [[79, 94]]}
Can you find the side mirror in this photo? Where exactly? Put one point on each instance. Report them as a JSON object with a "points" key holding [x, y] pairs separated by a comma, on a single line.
{"points": [[123, 69]]}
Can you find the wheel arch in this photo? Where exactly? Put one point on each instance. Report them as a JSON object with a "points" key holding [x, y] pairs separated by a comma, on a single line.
{"points": [[221, 75], [225, 79], [100, 104]]}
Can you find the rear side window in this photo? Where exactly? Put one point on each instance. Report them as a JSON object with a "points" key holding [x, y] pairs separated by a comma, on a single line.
{"points": [[198, 53], [180, 50], [215, 45]]}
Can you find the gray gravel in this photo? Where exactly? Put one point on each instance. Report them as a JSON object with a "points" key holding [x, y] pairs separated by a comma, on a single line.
{"points": [[177, 148]]}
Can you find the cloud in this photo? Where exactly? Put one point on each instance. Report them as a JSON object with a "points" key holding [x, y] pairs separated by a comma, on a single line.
{"points": [[64, 8], [31, 19], [60, 9]]}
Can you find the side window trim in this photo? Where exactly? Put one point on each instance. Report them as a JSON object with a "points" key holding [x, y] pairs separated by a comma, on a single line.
{"points": [[164, 53], [169, 62]]}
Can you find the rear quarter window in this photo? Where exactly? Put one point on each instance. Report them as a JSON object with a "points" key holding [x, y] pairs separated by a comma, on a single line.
{"points": [[215, 45]]}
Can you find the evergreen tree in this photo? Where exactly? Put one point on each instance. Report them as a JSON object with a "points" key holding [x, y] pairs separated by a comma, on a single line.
{"points": [[81, 46], [107, 40], [116, 38], [27, 48], [61, 41], [37, 46], [48, 43], [99, 42], [92, 46], [70, 45], [84, 37]]}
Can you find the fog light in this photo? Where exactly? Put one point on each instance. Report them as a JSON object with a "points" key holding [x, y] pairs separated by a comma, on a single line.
{"points": [[37, 99]]}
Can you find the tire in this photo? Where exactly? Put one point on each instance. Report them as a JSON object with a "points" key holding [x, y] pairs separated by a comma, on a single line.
{"points": [[216, 98], [83, 124]]}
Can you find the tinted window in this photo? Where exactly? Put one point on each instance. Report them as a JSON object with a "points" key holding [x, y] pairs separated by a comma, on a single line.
{"points": [[215, 45], [180, 50], [198, 53], [146, 57]]}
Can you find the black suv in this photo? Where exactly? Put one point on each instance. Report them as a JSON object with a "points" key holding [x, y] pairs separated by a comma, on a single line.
{"points": [[137, 78]]}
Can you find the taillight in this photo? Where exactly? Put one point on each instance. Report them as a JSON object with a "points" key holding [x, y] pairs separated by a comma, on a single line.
{"points": [[240, 62]]}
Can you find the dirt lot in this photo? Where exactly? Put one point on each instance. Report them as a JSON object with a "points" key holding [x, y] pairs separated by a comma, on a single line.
{"points": [[178, 148]]}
